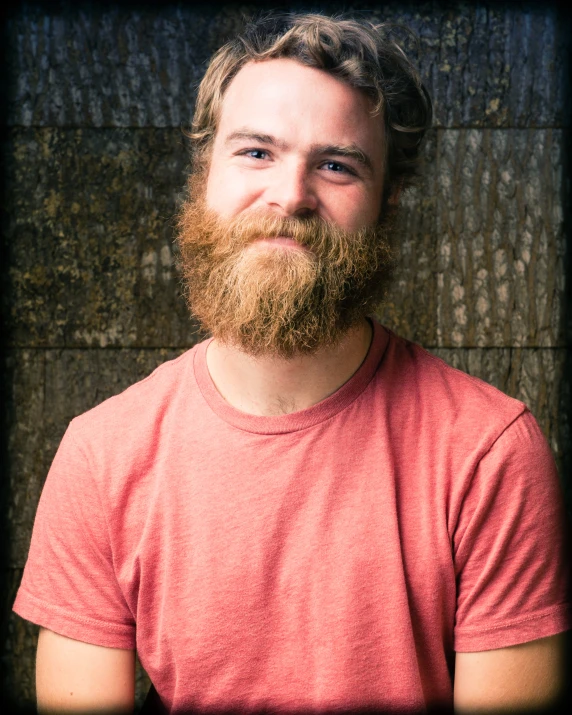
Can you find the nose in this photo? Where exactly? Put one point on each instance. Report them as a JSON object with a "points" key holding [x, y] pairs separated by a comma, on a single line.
{"points": [[290, 191]]}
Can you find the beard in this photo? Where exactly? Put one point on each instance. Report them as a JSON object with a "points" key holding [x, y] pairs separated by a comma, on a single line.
{"points": [[280, 302]]}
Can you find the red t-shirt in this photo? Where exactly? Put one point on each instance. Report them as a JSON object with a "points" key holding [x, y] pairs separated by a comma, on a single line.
{"points": [[335, 557]]}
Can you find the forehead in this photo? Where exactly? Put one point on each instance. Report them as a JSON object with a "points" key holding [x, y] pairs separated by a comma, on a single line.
{"points": [[302, 105]]}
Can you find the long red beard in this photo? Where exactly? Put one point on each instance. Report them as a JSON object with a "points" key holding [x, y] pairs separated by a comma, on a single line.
{"points": [[280, 301]]}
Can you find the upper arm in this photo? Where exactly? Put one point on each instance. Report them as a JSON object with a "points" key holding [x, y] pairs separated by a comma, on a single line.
{"points": [[521, 677], [73, 676]]}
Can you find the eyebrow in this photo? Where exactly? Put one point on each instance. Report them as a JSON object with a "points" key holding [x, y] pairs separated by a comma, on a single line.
{"points": [[352, 151]]}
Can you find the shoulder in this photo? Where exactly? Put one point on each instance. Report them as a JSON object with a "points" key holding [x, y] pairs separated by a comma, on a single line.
{"points": [[421, 370], [138, 410], [449, 403]]}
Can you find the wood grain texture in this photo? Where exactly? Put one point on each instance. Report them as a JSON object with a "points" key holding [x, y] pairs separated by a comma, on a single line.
{"points": [[20, 640], [500, 240], [90, 241], [494, 65], [95, 165], [482, 240], [90, 234]]}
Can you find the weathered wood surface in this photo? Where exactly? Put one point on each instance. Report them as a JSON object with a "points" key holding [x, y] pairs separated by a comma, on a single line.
{"points": [[90, 240], [95, 166], [483, 250], [495, 65], [500, 242]]}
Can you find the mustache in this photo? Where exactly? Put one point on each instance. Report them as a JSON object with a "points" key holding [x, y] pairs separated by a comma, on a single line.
{"points": [[311, 231], [259, 225]]}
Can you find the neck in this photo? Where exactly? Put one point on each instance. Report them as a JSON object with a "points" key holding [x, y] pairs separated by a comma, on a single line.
{"points": [[270, 386]]}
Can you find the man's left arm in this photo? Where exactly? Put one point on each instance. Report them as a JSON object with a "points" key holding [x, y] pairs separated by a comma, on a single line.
{"points": [[529, 677], [513, 620]]}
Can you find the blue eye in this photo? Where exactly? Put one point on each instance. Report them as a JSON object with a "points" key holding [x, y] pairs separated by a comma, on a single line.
{"points": [[341, 168], [254, 151]]}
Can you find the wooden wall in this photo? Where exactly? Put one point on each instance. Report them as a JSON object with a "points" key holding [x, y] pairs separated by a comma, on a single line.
{"points": [[95, 166]]}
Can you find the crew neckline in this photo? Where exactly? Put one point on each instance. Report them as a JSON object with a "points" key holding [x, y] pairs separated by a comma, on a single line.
{"points": [[302, 419]]}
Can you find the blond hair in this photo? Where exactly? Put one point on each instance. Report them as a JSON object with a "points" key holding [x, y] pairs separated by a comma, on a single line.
{"points": [[357, 52]]}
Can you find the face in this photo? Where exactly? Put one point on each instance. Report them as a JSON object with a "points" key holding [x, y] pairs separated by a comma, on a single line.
{"points": [[283, 245], [304, 110]]}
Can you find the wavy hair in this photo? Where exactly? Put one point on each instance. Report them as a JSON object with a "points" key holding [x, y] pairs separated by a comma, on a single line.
{"points": [[356, 51]]}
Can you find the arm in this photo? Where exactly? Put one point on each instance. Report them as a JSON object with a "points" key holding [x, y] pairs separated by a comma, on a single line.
{"points": [[523, 678], [75, 677]]}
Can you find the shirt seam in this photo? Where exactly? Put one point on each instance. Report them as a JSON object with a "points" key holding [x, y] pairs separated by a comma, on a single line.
{"points": [[59, 611], [477, 380], [477, 630], [488, 449]]}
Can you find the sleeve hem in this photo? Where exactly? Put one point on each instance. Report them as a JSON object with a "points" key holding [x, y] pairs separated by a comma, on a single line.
{"points": [[557, 620], [73, 625]]}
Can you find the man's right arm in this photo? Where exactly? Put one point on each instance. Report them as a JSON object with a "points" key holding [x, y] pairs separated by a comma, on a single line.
{"points": [[77, 677]]}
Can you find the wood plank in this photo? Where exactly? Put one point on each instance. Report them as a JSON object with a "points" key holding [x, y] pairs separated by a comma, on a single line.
{"points": [[483, 248], [90, 238], [90, 241], [496, 66]]}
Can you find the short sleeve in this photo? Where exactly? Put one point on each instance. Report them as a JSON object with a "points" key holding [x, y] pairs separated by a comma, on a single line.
{"points": [[69, 584], [510, 546]]}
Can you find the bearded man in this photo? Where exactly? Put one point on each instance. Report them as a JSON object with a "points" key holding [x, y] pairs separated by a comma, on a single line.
{"points": [[304, 512]]}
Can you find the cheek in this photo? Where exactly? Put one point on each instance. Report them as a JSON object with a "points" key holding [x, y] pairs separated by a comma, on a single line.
{"points": [[228, 192], [214, 195], [350, 208]]}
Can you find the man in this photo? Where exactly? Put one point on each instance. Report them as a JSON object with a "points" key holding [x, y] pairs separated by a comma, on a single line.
{"points": [[305, 512]]}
